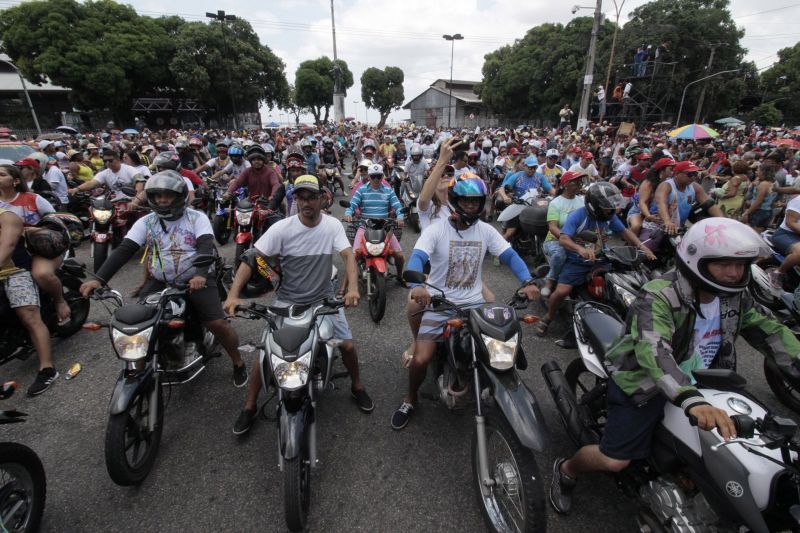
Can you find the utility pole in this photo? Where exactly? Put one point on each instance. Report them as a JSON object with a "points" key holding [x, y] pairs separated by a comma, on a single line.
{"points": [[703, 90], [222, 17], [452, 39], [338, 85], [583, 113]]}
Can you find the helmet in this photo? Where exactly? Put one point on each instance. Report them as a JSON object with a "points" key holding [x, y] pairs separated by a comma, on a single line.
{"points": [[167, 181], [167, 161], [42, 159], [327, 140], [568, 176], [194, 141], [486, 143], [602, 197], [222, 142], [50, 240], [256, 152], [365, 163], [293, 162], [305, 143], [181, 145], [468, 185], [268, 149], [235, 150], [375, 170], [416, 150], [552, 152], [632, 151], [715, 239]]}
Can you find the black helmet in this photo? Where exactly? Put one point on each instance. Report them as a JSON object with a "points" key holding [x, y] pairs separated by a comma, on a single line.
{"points": [[50, 240], [602, 200], [167, 181], [256, 152], [167, 161]]}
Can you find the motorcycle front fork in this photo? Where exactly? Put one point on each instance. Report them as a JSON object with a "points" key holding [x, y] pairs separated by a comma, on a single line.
{"points": [[153, 407], [480, 426]]}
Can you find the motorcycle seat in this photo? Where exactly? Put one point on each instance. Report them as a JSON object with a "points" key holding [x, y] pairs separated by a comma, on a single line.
{"points": [[135, 313], [290, 337], [602, 330]]}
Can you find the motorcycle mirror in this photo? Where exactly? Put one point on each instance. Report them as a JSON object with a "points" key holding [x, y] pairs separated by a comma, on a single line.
{"points": [[412, 276], [203, 260], [588, 235], [344, 203], [8, 390]]}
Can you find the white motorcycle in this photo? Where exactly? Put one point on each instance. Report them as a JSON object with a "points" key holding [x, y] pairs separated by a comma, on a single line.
{"points": [[694, 480]]}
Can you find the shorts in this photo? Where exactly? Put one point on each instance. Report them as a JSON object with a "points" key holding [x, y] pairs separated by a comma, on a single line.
{"points": [[761, 218], [341, 329], [629, 429], [574, 273], [205, 303], [556, 256], [784, 240], [431, 327], [359, 238], [21, 291]]}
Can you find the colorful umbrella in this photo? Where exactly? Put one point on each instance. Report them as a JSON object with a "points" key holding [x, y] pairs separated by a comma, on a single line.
{"points": [[693, 131]]}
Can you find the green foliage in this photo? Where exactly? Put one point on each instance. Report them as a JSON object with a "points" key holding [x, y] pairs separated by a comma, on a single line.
{"points": [[108, 54], [766, 114], [782, 83], [382, 90], [314, 85]]}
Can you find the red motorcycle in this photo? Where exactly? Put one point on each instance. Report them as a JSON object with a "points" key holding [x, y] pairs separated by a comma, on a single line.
{"points": [[253, 217], [372, 258], [110, 222]]}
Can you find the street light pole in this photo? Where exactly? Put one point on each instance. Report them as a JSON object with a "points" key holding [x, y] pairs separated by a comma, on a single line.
{"points": [[683, 96], [355, 109], [222, 17], [583, 113], [452, 39], [27, 96], [338, 88]]}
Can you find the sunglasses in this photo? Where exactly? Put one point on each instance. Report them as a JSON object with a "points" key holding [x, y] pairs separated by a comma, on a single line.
{"points": [[107, 161], [692, 174]]}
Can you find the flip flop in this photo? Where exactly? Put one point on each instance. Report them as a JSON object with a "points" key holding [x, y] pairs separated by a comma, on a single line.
{"points": [[541, 327]]}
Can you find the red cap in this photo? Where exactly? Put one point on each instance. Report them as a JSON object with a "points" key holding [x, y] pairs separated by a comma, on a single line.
{"points": [[27, 162], [644, 155], [569, 176], [685, 166], [664, 162], [513, 150], [587, 155]]}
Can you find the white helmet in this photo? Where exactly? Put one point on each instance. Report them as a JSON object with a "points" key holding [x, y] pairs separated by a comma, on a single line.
{"points": [[714, 239], [42, 159], [375, 169], [416, 150], [365, 163], [486, 143]]}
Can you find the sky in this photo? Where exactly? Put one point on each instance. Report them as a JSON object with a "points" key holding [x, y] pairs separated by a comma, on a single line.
{"points": [[408, 33]]}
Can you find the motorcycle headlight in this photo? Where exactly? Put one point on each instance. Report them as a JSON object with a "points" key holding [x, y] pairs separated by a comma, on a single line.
{"points": [[243, 217], [101, 215], [625, 295], [290, 376], [375, 248], [131, 347], [502, 354]]}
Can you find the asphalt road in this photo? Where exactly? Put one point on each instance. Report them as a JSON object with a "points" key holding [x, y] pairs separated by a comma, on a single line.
{"points": [[371, 477]]}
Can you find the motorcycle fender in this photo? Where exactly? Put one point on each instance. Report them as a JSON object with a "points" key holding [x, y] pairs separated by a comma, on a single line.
{"points": [[520, 408], [292, 427], [99, 237], [244, 237], [126, 388], [378, 263]]}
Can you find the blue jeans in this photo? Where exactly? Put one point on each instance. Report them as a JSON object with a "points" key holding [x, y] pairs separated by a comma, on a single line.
{"points": [[556, 256]]}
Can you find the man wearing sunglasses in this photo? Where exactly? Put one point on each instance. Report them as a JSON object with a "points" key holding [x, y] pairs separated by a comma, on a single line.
{"points": [[115, 176]]}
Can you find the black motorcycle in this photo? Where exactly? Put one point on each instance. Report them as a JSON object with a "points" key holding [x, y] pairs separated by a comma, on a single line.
{"points": [[15, 343], [477, 363], [23, 485], [161, 344]]}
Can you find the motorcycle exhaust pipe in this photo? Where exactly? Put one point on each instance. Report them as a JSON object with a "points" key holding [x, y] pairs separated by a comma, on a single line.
{"points": [[567, 404]]}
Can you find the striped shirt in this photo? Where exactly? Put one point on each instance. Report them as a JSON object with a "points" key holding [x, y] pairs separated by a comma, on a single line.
{"points": [[375, 203]]}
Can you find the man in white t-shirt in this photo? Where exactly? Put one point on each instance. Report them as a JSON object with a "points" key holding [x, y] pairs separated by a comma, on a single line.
{"points": [[303, 246], [586, 166], [115, 176], [173, 235], [455, 249]]}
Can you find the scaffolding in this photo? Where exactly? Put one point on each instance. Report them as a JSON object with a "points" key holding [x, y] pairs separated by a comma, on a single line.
{"points": [[647, 102]]}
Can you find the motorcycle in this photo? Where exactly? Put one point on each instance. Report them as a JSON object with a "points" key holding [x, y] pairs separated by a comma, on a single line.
{"points": [[478, 363], [694, 480], [222, 220], [253, 218], [110, 221], [15, 342], [161, 344], [410, 187], [297, 353], [23, 484], [532, 212], [332, 177]]}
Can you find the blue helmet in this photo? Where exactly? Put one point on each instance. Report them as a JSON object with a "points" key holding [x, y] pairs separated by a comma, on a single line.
{"points": [[236, 150], [468, 185]]}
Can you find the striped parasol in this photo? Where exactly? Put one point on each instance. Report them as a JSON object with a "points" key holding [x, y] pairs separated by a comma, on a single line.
{"points": [[693, 131]]}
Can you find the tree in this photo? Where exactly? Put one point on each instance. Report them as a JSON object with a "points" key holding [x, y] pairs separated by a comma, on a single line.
{"points": [[207, 54], [781, 83], [314, 85], [382, 90], [766, 115], [292, 107]]}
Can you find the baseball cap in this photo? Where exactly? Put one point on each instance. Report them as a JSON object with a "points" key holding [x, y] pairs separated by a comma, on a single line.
{"points": [[587, 155], [375, 169], [27, 162], [531, 161], [686, 166], [513, 151], [306, 182], [664, 162], [44, 144], [92, 146], [552, 152], [71, 154], [643, 155]]}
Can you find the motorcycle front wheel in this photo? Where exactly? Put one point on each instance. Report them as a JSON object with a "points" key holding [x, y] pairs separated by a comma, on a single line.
{"points": [[131, 447], [297, 491], [377, 302], [221, 230], [23, 488], [515, 502]]}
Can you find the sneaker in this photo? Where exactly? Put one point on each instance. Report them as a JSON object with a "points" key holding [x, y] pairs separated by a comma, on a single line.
{"points": [[240, 376], [401, 416], [561, 488], [244, 422], [362, 399], [44, 379]]}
